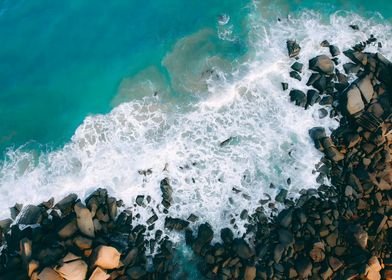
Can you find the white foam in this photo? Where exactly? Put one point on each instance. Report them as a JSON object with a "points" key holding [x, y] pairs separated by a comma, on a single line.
{"points": [[250, 106]]}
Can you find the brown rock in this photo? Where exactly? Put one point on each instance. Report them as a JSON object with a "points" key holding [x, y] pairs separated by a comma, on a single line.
{"points": [[68, 230], [49, 274], [84, 220], [250, 273], [106, 257], [335, 263], [74, 270], [99, 274], [82, 243]]}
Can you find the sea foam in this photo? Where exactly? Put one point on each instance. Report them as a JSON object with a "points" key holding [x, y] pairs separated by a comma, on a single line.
{"points": [[269, 140]]}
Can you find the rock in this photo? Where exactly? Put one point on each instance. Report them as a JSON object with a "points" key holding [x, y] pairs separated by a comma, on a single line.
{"points": [[325, 44], [298, 97], [387, 274], [374, 264], [293, 48], [327, 273], [317, 133], [313, 78], [106, 257], [365, 87], [303, 267], [285, 237], [250, 273], [99, 274], [32, 266], [204, 236], [192, 218], [67, 228], [352, 101], [242, 249], [322, 63], [295, 75], [297, 66], [312, 97], [152, 219], [74, 270], [136, 272], [335, 263], [49, 274], [82, 243], [227, 235], [322, 113], [360, 236], [278, 252], [373, 275], [29, 215], [281, 196], [351, 68], [167, 192], [317, 253], [175, 224], [332, 239], [285, 86], [131, 256], [66, 204], [357, 57], [84, 220], [354, 26], [334, 50], [326, 100], [285, 217], [112, 208]]}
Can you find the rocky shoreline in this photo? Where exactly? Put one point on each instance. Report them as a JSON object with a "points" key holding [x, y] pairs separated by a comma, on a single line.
{"points": [[342, 231]]}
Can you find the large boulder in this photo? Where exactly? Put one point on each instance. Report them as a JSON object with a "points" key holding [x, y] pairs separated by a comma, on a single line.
{"points": [[298, 97], [322, 63], [365, 86], [84, 220], [352, 101], [106, 257]]}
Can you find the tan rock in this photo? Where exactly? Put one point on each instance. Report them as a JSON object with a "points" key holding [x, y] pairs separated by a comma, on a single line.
{"points": [[74, 270], [68, 230], [70, 257], [25, 249], [82, 243], [373, 275], [32, 267], [374, 264], [49, 274], [106, 257], [99, 274], [354, 101], [366, 87], [84, 220], [250, 273]]}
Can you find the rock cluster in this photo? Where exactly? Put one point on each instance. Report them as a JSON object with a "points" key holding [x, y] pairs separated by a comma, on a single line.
{"points": [[71, 240], [343, 231], [338, 231]]}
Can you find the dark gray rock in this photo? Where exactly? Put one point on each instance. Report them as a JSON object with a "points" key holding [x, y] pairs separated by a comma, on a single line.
{"points": [[295, 75], [285, 86], [285, 218], [281, 196], [303, 267], [293, 48], [334, 50], [242, 249], [298, 97], [312, 97], [297, 66], [313, 78]]}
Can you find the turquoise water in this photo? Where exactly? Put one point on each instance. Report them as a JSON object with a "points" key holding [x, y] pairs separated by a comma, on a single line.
{"points": [[110, 88], [63, 60]]}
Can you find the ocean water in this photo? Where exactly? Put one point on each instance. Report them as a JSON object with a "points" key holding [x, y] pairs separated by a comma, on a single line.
{"points": [[92, 93]]}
